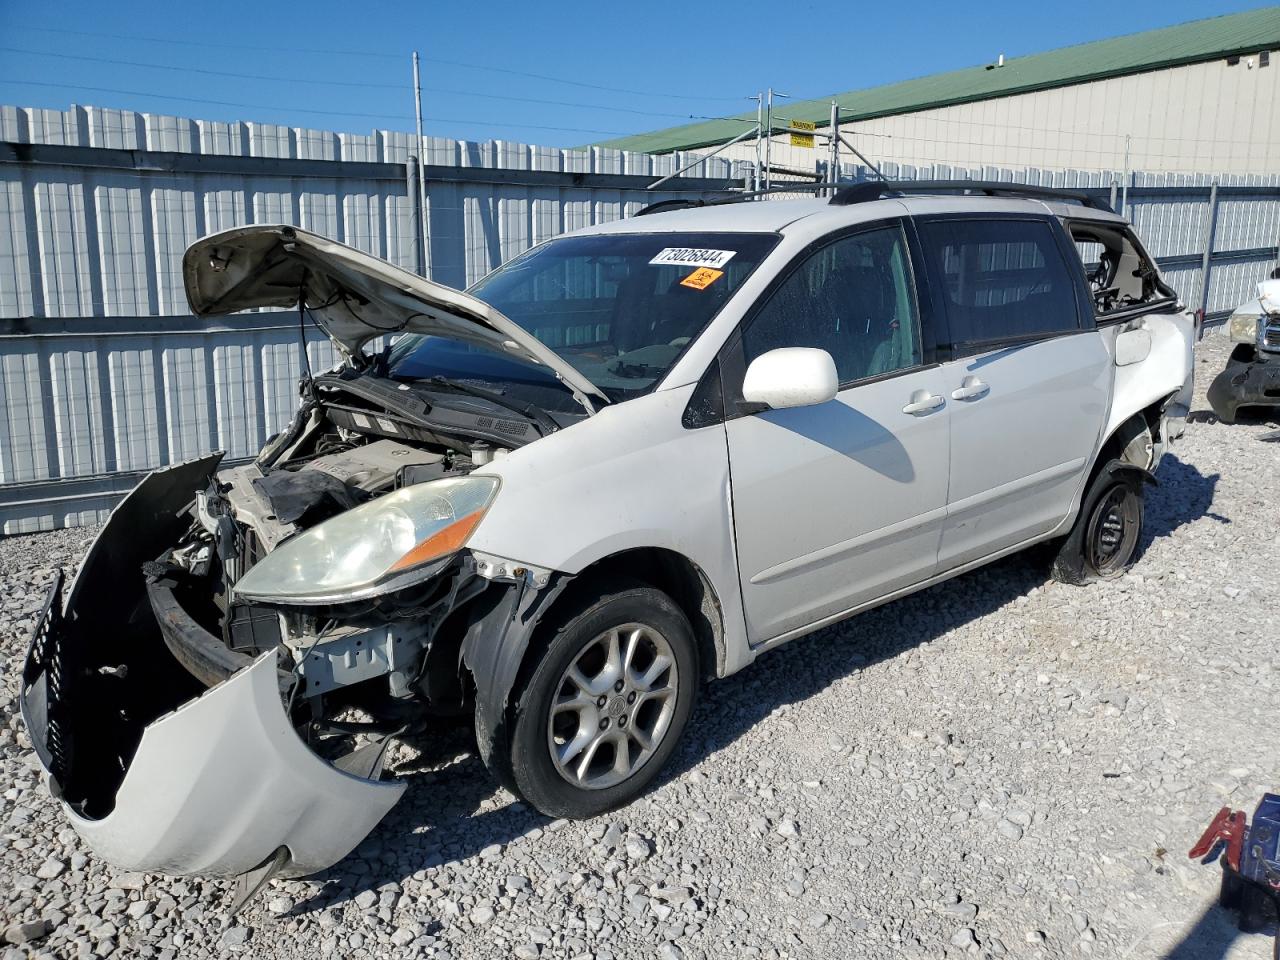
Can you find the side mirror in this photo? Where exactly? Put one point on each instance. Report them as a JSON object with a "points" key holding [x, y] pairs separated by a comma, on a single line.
{"points": [[791, 377]]}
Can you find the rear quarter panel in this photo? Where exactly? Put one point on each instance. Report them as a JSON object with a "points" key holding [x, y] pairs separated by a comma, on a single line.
{"points": [[1167, 369]]}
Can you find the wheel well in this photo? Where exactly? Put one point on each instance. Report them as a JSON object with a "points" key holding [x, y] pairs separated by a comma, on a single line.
{"points": [[1138, 432], [679, 578], [1126, 441]]}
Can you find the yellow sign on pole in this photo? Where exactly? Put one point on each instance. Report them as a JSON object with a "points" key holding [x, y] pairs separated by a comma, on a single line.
{"points": [[802, 139]]}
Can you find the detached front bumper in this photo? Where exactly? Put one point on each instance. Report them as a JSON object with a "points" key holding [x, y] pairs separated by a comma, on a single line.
{"points": [[160, 772], [220, 784], [1246, 383]]}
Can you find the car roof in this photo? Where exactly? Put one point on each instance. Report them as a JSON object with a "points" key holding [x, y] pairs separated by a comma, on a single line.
{"points": [[776, 216]]}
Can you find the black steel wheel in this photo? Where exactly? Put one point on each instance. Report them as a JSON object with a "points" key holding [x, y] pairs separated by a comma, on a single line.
{"points": [[1111, 538], [1105, 540]]}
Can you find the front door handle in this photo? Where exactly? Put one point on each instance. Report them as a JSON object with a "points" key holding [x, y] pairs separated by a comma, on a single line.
{"points": [[923, 402], [971, 388]]}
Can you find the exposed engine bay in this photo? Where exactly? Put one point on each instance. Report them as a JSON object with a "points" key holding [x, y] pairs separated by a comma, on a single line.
{"points": [[334, 458]]}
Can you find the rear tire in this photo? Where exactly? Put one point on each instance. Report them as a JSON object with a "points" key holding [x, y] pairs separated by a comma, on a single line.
{"points": [[1105, 540], [605, 703]]}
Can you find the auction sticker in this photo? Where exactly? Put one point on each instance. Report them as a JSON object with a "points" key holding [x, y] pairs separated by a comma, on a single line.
{"points": [[702, 278], [693, 257]]}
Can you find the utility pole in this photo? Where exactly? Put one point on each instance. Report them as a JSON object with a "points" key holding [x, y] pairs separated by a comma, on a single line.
{"points": [[424, 233], [1124, 195], [759, 99], [768, 171], [833, 171]]}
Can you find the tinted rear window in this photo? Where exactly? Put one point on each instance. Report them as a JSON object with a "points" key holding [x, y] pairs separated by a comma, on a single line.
{"points": [[1000, 280]]}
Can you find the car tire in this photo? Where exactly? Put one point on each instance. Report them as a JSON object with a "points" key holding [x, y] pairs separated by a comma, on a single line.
{"points": [[609, 698], [1107, 536]]}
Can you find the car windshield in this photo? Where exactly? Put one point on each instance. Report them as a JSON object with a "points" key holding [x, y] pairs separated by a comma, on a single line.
{"points": [[620, 308]]}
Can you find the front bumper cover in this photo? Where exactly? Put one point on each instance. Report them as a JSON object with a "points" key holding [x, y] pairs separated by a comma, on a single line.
{"points": [[224, 781], [155, 772], [1246, 383]]}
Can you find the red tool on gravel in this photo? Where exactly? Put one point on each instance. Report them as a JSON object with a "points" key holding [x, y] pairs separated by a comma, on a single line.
{"points": [[1250, 864]]}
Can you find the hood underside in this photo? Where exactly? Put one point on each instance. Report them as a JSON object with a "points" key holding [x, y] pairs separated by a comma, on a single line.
{"points": [[353, 296]]}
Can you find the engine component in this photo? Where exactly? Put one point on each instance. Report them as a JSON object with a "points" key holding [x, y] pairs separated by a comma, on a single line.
{"points": [[373, 466]]}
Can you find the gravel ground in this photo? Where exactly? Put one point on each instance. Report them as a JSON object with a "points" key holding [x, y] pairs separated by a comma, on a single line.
{"points": [[1000, 765]]}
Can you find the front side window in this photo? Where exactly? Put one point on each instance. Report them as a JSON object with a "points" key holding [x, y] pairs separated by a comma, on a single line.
{"points": [[1001, 280], [853, 298], [619, 307]]}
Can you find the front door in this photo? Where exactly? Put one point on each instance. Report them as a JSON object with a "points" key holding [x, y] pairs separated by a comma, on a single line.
{"points": [[1029, 389], [840, 503]]}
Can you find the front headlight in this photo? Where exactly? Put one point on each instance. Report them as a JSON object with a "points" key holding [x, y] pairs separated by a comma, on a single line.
{"points": [[374, 547], [1243, 327]]}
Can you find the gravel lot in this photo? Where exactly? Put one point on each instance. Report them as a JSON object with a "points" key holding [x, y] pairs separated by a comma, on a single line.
{"points": [[998, 766]]}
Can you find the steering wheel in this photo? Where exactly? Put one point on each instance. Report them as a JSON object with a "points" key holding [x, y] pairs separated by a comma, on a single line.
{"points": [[1101, 274]]}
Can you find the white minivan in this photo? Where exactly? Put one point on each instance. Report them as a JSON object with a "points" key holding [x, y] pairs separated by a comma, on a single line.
{"points": [[628, 461]]}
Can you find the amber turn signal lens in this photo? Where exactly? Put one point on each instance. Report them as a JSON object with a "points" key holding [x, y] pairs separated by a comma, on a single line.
{"points": [[440, 544]]}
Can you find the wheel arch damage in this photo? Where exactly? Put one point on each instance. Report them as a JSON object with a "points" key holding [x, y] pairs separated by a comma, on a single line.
{"points": [[501, 627]]}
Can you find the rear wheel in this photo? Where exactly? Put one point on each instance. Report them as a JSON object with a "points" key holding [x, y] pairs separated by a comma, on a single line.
{"points": [[605, 704], [1104, 542]]}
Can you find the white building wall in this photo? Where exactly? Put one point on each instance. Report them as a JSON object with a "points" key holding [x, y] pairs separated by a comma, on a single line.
{"points": [[1205, 116]]}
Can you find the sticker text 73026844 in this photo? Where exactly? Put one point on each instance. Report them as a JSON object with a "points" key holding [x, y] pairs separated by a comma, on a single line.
{"points": [[693, 257]]}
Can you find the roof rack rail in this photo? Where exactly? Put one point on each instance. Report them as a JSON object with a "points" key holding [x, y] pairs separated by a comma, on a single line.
{"points": [[681, 203], [879, 190]]}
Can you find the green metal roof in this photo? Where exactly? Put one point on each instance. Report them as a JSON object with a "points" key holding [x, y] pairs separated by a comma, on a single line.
{"points": [[1193, 42]]}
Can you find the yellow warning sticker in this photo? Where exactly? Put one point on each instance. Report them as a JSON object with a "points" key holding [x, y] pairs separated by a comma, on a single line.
{"points": [[702, 278]]}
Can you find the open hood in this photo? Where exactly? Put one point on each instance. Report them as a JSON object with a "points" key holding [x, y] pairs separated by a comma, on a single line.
{"points": [[352, 295]]}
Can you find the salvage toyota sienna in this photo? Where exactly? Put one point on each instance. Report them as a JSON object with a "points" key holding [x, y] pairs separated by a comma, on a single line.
{"points": [[628, 461]]}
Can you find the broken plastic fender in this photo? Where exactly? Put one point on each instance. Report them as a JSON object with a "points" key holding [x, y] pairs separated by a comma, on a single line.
{"points": [[222, 782]]}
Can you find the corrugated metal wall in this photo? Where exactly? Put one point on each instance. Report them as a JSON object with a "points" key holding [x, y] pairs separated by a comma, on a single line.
{"points": [[105, 374]]}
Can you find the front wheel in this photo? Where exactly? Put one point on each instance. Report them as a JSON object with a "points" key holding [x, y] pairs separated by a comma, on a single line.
{"points": [[605, 705], [1104, 542]]}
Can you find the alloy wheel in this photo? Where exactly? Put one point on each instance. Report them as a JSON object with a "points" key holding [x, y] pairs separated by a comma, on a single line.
{"points": [[613, 706]]}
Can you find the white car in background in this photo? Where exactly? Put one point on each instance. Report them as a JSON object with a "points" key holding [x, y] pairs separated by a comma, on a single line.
{"points": [[628, 461], [1251, 378]]}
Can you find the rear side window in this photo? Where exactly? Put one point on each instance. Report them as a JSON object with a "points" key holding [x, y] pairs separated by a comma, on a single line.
{"points": [[1121, 277], [1001, 281]]}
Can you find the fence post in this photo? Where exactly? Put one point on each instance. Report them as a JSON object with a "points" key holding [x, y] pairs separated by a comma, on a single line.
{"points": [[415, 214], [1206, 260]]}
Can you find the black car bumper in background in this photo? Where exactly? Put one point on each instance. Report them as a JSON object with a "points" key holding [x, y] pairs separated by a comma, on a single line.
{"points": [[1251, 379]]}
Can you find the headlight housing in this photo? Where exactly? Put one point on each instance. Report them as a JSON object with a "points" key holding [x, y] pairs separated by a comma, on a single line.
{"points": [[1243, 327], [374, 548]]}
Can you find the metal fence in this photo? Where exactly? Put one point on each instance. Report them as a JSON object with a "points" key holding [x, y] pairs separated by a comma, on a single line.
{"points": [[105, 374]]}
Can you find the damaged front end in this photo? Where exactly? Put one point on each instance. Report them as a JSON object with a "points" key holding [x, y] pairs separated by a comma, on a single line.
{"points": [[190, 730], [242, 645]]}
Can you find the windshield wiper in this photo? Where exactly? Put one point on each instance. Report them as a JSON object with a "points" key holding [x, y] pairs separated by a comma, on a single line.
{"points": [[633, 371], [541, 422]]}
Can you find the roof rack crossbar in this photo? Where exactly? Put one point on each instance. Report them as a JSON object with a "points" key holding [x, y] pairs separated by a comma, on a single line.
{"points": [[878, 190], [683, 203]]}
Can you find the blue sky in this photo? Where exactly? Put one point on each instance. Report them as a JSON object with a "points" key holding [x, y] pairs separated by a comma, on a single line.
{"points": [[577, 72]]}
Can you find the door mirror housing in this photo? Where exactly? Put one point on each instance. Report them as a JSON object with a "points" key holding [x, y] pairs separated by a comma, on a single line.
{"points": [[791, 377]]}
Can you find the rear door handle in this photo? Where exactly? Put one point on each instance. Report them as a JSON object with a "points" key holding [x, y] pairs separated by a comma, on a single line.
{"points": [[922, 403], [971, 388]]}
